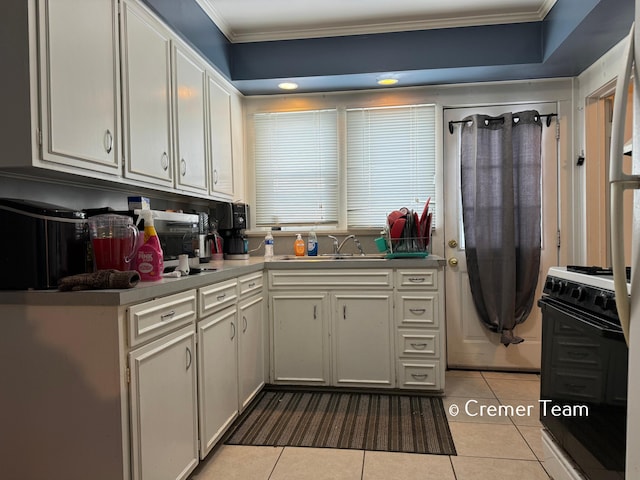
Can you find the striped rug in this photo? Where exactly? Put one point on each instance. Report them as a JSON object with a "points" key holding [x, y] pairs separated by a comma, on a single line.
{"points": [[362, 421]]}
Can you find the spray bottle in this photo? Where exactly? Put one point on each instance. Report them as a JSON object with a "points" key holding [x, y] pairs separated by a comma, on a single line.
{"points": [[149, 258]]}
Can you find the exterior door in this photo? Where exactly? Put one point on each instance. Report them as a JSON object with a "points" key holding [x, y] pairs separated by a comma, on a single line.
{"points": [[469, 343]]}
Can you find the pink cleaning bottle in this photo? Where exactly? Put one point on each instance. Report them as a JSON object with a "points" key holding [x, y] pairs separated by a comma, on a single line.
{"points": [[149, 258]]}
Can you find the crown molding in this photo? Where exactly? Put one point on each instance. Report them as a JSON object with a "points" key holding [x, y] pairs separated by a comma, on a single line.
{"points": [[371, 28]]}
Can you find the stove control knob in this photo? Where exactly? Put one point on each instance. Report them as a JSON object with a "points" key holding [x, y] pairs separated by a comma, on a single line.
{"points": [[562, 286], [556, 285], [548, 284], [578, 293], [604, 301]]}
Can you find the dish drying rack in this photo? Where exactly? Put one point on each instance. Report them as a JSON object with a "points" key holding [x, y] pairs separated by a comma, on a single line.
{"points": [[409, 243]]}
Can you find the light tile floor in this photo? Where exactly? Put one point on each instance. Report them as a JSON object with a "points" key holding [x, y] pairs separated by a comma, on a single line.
{"points": [[496, 433]]}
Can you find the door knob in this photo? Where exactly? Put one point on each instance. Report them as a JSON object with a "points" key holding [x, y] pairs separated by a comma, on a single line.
{"points": [[453, 243], [453, 261]]}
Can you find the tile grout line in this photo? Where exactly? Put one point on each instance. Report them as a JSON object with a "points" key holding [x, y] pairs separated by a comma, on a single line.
{"points": [[276, 463], [453, 469], [512, 422]]}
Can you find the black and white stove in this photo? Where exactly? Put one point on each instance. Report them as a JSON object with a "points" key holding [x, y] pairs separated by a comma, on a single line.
{"points": [[584, 364], [588, 288]]}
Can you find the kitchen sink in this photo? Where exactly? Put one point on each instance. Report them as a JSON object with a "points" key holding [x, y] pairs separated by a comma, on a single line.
{"points": [[333, 256]]}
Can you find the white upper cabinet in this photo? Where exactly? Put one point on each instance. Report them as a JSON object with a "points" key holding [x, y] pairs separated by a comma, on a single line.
{"points": [[79, 83], [220, 151], [146, 77], [189, 90]]}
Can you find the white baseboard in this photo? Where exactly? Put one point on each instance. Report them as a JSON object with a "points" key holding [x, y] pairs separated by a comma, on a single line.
{"points": [[556, 462]]}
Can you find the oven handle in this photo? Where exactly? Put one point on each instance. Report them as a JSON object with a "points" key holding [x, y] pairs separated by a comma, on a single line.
{"points": [[579, 316]]}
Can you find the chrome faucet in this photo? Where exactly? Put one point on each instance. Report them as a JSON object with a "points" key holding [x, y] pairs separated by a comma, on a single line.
{"points": [[337, 247]]}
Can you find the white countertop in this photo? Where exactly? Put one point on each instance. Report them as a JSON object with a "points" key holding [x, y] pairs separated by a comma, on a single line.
{"points": [[223, 271]]}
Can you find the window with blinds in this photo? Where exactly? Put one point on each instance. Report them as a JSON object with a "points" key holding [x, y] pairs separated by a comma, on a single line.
{"points": [[296, 168], [391, 162]]}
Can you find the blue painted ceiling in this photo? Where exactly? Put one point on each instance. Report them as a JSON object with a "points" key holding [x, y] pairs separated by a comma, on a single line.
{"points": [[574, 34]]}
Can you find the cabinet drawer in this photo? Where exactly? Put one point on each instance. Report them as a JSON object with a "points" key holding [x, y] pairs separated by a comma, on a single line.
{"points": [[417, 279], [331, 278], [250, 284], [578, 385], [578, 352], [151, 319], [418, 343], [421, 375], [419, 310], [217, 296]]}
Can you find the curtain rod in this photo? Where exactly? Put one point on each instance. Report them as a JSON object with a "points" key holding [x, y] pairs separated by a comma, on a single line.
{"points": [[548, 115]]}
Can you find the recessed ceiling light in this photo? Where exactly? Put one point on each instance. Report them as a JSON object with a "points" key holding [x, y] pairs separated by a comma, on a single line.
{"points": [[288, 85], [387, 80]]}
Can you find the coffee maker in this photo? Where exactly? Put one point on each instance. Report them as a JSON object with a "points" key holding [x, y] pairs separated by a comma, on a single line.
{"points": [[233, 220]]}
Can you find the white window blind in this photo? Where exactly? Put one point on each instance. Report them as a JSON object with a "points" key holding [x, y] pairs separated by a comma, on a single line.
{"points": [[390, 162], [296, 162]]}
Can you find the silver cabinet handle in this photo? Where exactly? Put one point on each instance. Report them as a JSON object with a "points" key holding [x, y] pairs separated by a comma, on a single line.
{"points": [[252, 284], [417, 311], [417, 279], [315, 312], [233, 330], [189, 358], [108, 141], [164, 161], [183, 167], [215, 177], [419, 346], [244, 324], [344, 312], [221, 297], [419, 376], [167, 316]]}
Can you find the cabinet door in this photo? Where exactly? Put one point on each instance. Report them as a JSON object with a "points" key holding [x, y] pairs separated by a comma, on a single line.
{"points": [[300, 338], [163, 398], [80, 83], [189, 84], [362, 339], [217, 375], [146, 97], [250, 348], [220, 139]]}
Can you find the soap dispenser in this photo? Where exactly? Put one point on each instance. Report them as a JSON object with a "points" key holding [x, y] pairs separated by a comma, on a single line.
{"points": [[299, 246]]}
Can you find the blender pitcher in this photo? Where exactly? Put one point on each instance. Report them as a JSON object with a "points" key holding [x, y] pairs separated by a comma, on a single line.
{"points": [[114, 239]]}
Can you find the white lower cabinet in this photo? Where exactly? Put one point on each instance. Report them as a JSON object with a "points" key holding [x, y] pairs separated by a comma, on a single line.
{"points": [[300, 337], [327, 331], [230, 353], [163, 406], [250, 348], [217, 375], [362, 336]]}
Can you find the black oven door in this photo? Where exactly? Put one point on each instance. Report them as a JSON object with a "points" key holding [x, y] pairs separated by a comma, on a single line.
{"points": [[583, 387]]}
